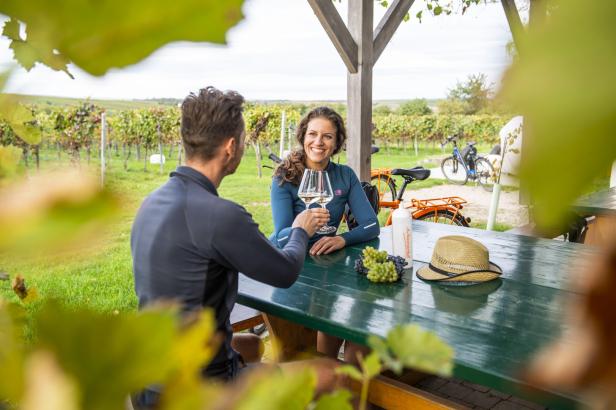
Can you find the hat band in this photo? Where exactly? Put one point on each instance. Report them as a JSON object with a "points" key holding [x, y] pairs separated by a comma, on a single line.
{"points": [[451, 275]]}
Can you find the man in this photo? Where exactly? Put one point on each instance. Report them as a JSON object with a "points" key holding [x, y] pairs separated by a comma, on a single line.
{"points": [[188, 244]]}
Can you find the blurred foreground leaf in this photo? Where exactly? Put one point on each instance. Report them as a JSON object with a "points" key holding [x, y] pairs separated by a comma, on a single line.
{"points": [[411, 346], [52, 210], [109, 356], [12, 354], [338, 400], [278, 390], [47, 386], [99, 35], [9, 159], [564, 87]]}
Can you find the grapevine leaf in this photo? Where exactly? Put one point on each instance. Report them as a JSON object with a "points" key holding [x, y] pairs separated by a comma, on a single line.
{"points": [[384, 3], [97, 36], [11, 30], [9, 159], [12, 356], [418, 15], [371, 365], [420, 349], [350, 371], [25, 54], [438, 10], [53, 210], [48, 386], [572, 120], [278, 391], [337, 400], [134, 348]]}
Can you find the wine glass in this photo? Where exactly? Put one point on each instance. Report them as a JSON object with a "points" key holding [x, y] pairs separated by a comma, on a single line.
{"points": [[307, 191], [325, 195]]}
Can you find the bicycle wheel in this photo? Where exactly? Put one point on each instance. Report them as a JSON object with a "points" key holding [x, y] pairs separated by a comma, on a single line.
{"points": [[454, 171], [485, 173], [385, 186], [443, 216]]}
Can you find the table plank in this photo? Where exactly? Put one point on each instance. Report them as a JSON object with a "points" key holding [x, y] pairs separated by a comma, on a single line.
{"points": [[494, 328], [598, 203]]}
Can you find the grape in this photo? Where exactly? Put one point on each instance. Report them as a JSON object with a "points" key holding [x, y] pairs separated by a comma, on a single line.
{"points": [[378, 266]]}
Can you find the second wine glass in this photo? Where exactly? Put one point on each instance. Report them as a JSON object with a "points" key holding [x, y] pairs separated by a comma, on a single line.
{"points": [[325, 195]]}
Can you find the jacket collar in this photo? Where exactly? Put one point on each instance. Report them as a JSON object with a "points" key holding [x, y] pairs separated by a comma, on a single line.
{"points": [[196, 177]]}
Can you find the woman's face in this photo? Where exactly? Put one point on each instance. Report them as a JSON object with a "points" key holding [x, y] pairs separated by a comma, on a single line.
{"points": [[319, 142]]}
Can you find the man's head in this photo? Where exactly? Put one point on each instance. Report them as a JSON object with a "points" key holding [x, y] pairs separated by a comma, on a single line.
{"points": [[213, 127]]}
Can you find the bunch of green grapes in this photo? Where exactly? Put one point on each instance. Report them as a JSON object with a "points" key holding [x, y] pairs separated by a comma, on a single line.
{"points": [[379, 268]]}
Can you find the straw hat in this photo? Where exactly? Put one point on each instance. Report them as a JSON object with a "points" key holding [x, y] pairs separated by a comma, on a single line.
{"points": [[459, 260]]}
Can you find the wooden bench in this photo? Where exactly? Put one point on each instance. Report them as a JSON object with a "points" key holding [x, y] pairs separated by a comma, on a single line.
{"points": [[243, 318]]}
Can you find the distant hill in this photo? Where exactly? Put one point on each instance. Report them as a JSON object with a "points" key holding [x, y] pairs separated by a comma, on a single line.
{"points": [[153, 102], [110, 105]]}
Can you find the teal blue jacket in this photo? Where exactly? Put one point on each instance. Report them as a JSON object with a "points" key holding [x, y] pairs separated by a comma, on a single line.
{"points": [[286, 205]]}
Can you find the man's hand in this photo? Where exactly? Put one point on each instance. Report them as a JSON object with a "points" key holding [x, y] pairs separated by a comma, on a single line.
{"points": [[311, 220], [327, 244]]}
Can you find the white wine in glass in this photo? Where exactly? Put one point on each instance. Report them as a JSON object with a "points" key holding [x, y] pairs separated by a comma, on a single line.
{"points": [[307, 191]]}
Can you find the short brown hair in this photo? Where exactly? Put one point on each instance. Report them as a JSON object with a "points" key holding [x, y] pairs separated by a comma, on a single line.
{"points": [[208, 118]]}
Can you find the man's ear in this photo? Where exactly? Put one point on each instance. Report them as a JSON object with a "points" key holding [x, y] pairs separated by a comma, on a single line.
{"points": [[230, 146]]}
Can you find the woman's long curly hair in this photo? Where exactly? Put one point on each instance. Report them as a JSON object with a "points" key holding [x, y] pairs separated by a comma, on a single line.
{"points": [[292, 167]]}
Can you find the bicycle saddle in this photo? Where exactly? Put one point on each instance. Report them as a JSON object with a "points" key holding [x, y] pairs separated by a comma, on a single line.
{"points": [[471, 143], [418, 173]]}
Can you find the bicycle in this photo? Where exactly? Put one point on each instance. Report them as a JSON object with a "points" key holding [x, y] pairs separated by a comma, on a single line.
{"points": [[474, 167], [439, 210]]}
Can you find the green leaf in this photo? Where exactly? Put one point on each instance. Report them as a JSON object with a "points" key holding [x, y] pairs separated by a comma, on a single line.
{"points": [[337, 400], [570, 123], [371, 365], [11, 30], [126, 351], [279, 391], [420, 349], [418, 15], [9, 159], [350, 371], [97, 36], [438, 10], [53, 211], [384, 3], [429, 6], [12, 353], [407, 17]]}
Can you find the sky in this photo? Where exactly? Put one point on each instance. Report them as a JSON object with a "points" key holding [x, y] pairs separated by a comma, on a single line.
{"points": [[281, 52]]}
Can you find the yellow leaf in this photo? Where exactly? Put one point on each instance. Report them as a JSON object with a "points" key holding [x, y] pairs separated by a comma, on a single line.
{"points": [[47, 386]]}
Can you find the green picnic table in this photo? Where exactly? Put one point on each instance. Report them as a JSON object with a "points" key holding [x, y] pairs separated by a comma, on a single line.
{"points": [[495, 328]]}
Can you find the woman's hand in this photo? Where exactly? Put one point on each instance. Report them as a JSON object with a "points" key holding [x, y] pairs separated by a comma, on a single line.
{"points": [[327, 244]]}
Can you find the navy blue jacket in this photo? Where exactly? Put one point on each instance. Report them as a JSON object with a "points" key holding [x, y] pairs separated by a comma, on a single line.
{"points": [[347, 190], [188, 245]]}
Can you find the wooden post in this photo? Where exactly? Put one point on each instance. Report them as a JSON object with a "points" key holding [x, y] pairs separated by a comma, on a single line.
{"points": [[283, 127], [160, 147], [103, 145], [359, 89], [359, 49]]}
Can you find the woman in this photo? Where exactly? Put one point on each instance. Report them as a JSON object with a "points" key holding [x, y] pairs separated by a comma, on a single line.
{"points": [[321, 134]]}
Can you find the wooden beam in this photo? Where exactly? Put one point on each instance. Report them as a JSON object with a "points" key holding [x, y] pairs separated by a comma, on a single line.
{"points": [[337, 31], [515, 22], [359, 89], [388, 25]]}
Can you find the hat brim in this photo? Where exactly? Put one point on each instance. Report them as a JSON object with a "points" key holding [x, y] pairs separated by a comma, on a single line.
{"points": [[427, 274]]}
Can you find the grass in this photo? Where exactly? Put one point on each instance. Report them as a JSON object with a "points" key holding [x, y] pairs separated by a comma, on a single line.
{"points": [[101, 277]]}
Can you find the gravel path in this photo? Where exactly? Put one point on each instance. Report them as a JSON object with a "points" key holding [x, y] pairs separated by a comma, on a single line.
{"points": [[510, 212]]}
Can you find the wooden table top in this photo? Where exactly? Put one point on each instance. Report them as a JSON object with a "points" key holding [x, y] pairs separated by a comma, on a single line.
{"points": [[597, 203], [494, 327]]}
